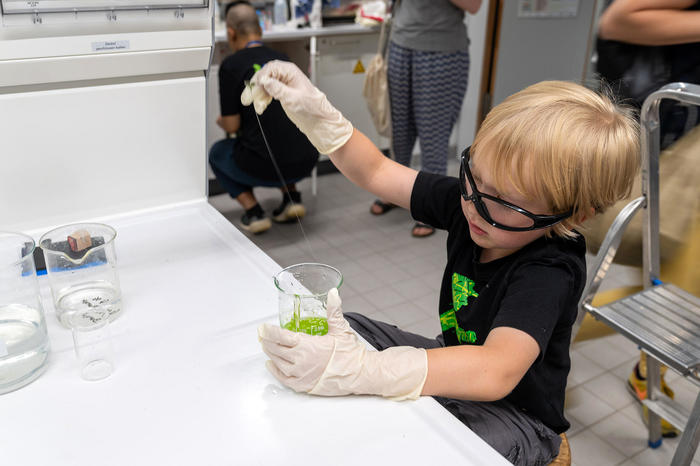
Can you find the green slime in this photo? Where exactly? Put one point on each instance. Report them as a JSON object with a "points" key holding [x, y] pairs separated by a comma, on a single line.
{"points": [[308, 325]]}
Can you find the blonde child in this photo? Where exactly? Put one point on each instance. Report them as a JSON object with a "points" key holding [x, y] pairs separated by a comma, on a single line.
{"points": [[542, 162]]}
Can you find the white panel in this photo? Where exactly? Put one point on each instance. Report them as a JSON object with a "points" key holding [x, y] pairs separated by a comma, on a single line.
{"points": [[338, 56], [214, 131], [84, 67], [40, 47], [79, 153]]}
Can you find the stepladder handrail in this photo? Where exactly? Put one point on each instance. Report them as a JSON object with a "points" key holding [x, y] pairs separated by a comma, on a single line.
{"points": [[608, 249], [650, 150]]}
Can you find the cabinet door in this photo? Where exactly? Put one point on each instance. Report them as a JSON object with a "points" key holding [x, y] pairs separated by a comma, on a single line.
{"points": [[86, 152], [339, 76]]}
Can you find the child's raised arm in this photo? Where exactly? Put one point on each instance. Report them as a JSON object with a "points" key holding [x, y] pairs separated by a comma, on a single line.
{"points": [[331, 133]]}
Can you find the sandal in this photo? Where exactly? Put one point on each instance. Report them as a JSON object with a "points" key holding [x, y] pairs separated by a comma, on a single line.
{"points": [[420, 225], [384, 207]]}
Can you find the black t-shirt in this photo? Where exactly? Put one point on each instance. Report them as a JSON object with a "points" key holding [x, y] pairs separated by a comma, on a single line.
{"points": [[536, 289], [294, 154]]}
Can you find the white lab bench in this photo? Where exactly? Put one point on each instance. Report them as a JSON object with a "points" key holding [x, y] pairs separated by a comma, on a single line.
{"points": [[190, 385]]}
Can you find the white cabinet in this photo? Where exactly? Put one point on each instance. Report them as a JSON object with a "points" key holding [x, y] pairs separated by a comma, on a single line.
{"points": [[339, 60]]}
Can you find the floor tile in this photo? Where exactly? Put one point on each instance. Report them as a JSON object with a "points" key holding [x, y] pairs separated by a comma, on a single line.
{"points": [[586, 407], [587, 449], [576, 425], [599, 351], [403, 314], [623, 343], [611, 389], [626, 436], [412, 288], [685, 392], [655, 456], [358, 304], [582, 369], [384, 297]]}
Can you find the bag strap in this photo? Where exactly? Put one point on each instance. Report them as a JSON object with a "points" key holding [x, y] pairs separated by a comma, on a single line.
{"points": [[383, 34], [385, 31]]}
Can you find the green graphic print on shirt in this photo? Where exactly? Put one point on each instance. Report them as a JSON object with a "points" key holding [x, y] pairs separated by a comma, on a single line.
{"points": [[462, 289]]}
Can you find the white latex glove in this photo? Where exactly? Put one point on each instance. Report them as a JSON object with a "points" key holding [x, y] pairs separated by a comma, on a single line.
{"points": [[309, 109], [339, 364]]}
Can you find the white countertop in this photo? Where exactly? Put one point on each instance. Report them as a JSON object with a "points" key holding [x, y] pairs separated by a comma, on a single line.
{"points": [[288, 33], [190, 386]]}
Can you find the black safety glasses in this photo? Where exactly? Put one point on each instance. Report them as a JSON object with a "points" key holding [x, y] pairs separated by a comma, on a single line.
{"points": [[497, 212]]}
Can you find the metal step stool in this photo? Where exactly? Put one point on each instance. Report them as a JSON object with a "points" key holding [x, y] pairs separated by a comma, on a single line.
{"points": [[662, 319]]}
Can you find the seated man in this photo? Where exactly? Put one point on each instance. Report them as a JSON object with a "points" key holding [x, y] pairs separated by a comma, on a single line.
{"points": [[243, 162]]}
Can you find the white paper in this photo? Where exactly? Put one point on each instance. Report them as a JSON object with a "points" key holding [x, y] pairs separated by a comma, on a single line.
{"points": [[547, 8], [110, 45]]}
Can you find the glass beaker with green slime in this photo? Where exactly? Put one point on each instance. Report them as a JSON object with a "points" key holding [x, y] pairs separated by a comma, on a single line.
{"points": [[303, 296]]}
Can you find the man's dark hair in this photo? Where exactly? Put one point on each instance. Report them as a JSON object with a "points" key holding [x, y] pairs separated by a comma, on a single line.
{"points": [[232, 4], [242, 18]]}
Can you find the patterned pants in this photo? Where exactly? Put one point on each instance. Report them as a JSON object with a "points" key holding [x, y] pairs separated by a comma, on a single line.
{"points": [[426, 90]]}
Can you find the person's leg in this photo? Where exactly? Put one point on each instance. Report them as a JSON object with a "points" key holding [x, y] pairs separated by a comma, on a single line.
{"points": [[399, 79], [238, 185], [221, 162], [520, 438], [382, 335], [637, 386], [247, 199], [403, 128], [291, 208], [439, 84]]}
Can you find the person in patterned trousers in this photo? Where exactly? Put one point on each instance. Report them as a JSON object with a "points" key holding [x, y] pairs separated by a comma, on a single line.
{"points": [[428, 71]]}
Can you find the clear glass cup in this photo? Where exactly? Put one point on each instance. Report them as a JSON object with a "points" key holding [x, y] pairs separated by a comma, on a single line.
{"points": [[93, 342], [24, 343], [84, 277], [303, 296]]}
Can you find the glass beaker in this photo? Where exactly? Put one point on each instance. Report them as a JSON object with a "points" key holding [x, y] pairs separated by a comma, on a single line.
{"points": [[81, 264], [303, 295], [93, 343], [24, 343]]}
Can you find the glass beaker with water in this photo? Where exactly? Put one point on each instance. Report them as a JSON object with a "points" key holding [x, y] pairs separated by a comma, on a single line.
{"points": [[82, 267], [24, 343], [303, 295]]}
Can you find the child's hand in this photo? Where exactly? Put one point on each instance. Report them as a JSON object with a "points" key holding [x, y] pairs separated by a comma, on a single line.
{"points": [[339, 364], [304, 104]]}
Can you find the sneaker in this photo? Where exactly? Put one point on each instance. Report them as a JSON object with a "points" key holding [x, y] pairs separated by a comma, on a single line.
{"points": [[637, 386], [254, 220], [289, 210]]}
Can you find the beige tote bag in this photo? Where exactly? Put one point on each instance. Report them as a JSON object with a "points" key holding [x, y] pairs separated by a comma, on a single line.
{"points": [[679, 204], [376, 87]]}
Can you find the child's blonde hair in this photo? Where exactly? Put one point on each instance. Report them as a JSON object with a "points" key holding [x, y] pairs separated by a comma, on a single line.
{"points": [[562, 143]]}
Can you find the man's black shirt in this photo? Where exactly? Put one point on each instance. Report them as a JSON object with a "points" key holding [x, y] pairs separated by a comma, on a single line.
{"points": [[294, 153], [535, 289]]}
